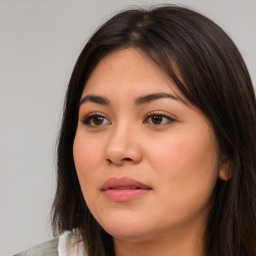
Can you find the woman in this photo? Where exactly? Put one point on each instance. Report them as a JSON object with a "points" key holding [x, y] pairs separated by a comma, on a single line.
{"points": [[156, 153]]}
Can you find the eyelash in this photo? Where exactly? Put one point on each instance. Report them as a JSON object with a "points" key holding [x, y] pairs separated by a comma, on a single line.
{"points": [[162, 116], [87, 119]]}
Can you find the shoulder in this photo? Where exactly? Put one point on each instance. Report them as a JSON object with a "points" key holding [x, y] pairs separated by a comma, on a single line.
{"points": [[49, 248], [68, 243]]}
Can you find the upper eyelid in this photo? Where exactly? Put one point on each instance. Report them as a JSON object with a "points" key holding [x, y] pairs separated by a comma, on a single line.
{"points": [[160, 114], [90, 114], [168, 118]]}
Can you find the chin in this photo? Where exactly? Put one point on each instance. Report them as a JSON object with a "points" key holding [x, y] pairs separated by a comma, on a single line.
{"points": [[129, 229]]}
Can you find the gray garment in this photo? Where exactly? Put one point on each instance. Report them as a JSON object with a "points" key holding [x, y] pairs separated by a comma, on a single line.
{"points": [[49, 248]]}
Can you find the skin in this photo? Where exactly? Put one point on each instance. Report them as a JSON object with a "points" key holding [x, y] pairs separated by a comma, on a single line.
{"points": [[178, 158]]}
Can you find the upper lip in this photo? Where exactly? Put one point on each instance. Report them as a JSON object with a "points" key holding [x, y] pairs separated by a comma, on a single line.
{"points": [[123, 182]]}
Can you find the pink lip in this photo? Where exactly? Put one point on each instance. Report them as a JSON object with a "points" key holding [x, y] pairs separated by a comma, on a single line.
{"points": [[124, 189]]}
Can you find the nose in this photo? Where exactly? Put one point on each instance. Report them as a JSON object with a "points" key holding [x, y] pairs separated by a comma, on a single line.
{"points": [[123, 147]]}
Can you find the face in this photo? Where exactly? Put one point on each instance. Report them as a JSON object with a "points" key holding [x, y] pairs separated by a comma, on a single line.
{"points": [[146, 159]]}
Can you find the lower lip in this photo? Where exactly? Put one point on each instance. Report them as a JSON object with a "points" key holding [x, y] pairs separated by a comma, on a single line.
{"points": [[124, 195]]}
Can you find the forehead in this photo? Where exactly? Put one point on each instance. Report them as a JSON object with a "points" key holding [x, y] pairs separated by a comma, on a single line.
{"points": [[128, 70]]}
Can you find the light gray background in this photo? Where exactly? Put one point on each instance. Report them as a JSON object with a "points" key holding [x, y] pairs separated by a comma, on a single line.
{"points": [[39, 44]]}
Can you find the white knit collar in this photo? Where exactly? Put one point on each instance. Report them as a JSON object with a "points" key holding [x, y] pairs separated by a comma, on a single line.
{"points": [[70, 245]]}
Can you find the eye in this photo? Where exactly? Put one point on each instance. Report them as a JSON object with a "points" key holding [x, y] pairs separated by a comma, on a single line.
{"points": [[95, 120], [158, 119]]}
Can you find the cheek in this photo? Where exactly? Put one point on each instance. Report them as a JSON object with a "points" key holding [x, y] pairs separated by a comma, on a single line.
{"points": [[189, 162], [184, 153], [187, 170], [86, 153], [87, 157]]}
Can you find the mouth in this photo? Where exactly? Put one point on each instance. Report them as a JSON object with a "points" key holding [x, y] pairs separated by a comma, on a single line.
{"points": [[124, 189]]}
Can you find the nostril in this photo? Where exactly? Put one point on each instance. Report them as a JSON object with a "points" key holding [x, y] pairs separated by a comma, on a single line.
{"points": [[109, 162], [127, 159]]}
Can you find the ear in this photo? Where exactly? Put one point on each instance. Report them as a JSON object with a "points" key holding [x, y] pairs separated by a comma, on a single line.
{"points": [[225, 172]]}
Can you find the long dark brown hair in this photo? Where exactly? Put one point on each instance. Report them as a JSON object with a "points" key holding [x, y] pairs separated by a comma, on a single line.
{"points": [[214, 79]]}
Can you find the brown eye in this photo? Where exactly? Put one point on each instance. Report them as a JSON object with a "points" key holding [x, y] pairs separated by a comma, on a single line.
{"points": [[95, 120], [158, 119]]}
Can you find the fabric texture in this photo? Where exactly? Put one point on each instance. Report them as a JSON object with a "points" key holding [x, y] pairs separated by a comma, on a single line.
{"points": [[49, 248], [70, 244], [67, 244]]}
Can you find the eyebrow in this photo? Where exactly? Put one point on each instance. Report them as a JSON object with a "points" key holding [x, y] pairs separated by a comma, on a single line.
{"points": [[140, 100], [95, 99], [156, 96]]}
